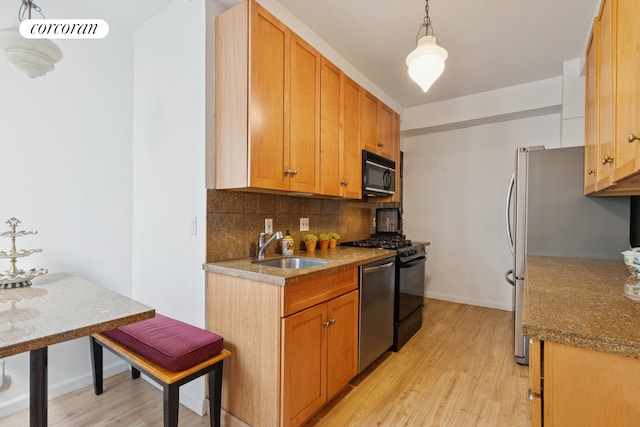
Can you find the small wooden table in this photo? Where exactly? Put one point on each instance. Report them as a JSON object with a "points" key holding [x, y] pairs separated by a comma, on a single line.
{"points": [[58, 307]]}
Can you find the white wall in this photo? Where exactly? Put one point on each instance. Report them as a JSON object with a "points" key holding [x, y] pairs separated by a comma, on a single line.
{"points": [[66, 171], [455, 191], [169, 168], [458, 160]]}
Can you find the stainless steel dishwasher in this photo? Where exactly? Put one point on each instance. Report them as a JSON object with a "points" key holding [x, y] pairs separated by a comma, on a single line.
{"points": [[377, 283]]}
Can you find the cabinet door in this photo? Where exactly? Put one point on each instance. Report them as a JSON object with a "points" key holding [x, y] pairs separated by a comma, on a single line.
{"points": [[591, 116], [304, 139], [304, 364], [535, 383], [606, 70], [589, 388], [386, 141], [628, 88], [368, 122], [268, 110], [330, 135], [342, 348], [351, 166]]}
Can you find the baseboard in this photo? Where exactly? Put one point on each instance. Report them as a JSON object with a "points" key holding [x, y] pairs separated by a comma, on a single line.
{"points": [[21, 402], [468, 301]]}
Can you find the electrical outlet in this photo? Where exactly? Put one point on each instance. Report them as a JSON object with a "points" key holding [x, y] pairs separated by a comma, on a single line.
{"points": [[268, 225], [304, 224]]}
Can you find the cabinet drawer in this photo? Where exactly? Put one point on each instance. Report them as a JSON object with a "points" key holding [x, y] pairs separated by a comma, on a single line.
{"points": [[298, 296]]}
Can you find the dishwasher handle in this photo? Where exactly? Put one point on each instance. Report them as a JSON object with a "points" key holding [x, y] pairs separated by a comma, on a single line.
{"points": [[367, 270]]}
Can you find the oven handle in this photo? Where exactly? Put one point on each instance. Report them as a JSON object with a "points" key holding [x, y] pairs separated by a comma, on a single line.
{"points": [[412, 262], [368, 270]]}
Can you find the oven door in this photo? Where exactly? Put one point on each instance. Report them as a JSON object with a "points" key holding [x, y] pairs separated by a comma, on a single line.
{"points": [[410, 287]]}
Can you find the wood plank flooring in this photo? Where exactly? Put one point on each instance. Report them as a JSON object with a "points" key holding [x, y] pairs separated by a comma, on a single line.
{"points": [[458, 371]]}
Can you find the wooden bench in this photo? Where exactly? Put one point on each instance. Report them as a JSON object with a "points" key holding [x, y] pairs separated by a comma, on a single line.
{"points": [[169, 379]]}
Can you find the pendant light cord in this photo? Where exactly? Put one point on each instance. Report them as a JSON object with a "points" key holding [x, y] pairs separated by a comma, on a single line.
{"points": [[26, 7], [426, 22]]}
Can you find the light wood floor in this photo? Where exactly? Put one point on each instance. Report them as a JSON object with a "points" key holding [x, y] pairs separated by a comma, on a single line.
{"points": [[458, 370]]}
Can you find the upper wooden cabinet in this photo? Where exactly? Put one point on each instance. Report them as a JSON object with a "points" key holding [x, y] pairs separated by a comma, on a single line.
{"points": [[339, 138], [267, 133], [286, 119], [627, 116], [612, 163]]}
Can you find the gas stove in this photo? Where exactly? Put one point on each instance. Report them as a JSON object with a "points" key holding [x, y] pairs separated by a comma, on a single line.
{"points": [[407, 250]]}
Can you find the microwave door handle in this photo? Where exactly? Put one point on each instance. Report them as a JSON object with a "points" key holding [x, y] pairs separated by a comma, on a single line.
{"points": [[508, 210], [386, 178]]}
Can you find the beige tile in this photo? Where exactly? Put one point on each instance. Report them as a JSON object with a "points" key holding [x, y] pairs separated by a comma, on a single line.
{"points": [[260, 203], [288, 205]]}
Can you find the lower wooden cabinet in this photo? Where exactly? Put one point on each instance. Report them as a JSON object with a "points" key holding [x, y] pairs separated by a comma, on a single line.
{"points": [[582, 387], [319, 355], [294, 346]]}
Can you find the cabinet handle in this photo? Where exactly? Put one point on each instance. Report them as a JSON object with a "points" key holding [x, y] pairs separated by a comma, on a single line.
{"points": [[345, 183], [326, 324], [530, 395], [590, 171], [294, 172], [633, 137], [332, 321], [288, 172], [380, 144], [607, 159]]}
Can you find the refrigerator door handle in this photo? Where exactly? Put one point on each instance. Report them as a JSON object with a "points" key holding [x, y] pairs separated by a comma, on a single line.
{"points": [[512, 280], [508, 211]]}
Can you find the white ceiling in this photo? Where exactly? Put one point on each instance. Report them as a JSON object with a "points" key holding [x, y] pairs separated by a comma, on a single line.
{"points": [[491, 44]]}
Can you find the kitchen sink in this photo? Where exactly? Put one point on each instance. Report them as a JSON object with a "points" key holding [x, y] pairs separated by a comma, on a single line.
{"points": [[292, 262]]}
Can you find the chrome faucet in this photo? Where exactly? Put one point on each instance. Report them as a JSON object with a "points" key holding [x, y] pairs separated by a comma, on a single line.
{"points": [[262, 245]]}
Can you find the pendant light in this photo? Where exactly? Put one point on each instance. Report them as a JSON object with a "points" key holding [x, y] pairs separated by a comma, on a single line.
{"points": [[33, 57], [426, 62]]}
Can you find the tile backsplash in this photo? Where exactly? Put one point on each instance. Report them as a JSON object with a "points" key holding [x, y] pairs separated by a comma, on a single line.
{"points": [[235, 219]]}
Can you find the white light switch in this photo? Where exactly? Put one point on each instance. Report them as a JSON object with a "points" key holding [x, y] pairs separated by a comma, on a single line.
{"points": [[304, 224], [268, 225], [194, 226]]}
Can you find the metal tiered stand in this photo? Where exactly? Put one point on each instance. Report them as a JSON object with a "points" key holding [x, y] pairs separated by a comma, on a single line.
{"points": [[15, 278]]}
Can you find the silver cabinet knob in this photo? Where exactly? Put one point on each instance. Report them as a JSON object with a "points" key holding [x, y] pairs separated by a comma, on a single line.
{"points": [[590, 171], [607, 159], [530, 395], [633, 137]]}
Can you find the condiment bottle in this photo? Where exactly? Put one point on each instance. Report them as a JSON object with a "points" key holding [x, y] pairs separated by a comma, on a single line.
{"points": [[287, 244]]}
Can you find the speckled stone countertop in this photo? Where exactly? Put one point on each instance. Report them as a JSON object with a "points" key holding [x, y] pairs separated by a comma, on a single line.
{"points": [[580, 302], [60, 307], [339, 258]]}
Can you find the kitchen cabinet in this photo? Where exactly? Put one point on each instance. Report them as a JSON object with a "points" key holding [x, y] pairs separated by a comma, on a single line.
{"points": [[378, 134], [339, 141], [319, 355], [591, 116], [267, 131], [295, 345], [612, 98], [627, 116], [573, 386]]}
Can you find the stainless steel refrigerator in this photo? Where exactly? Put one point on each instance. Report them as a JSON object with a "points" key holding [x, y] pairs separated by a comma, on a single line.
{"points": [[548, 214]]}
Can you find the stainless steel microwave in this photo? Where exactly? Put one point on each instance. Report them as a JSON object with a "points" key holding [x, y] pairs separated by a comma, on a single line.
{"points": [[378, 175]]}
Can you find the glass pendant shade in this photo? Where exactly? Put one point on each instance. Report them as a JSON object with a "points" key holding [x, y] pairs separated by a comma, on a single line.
{"points": [[33, 57], [426, 62]]}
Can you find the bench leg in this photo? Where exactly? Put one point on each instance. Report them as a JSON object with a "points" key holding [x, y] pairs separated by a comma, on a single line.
{"points": [[135, 373], [171, 404], [96, 364], [215, 394]]}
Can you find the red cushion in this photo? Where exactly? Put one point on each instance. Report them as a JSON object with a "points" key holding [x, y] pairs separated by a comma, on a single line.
{"points": [[170, 343]]}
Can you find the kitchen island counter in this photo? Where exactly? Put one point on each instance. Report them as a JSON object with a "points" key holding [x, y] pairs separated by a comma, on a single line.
{"points": [[340, 258], [580, 302]]}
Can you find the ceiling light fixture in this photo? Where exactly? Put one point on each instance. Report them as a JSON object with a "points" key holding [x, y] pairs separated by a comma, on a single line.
{"points": [[426, 62], [34, 57]]}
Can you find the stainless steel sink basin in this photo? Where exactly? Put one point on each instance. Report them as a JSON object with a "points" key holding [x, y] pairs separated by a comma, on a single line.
{"points": [[292, 262]]}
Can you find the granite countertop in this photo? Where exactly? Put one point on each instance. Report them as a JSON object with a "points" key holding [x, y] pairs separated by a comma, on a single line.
{"points": [[60, 307], [580, 302], [339, 258]]}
